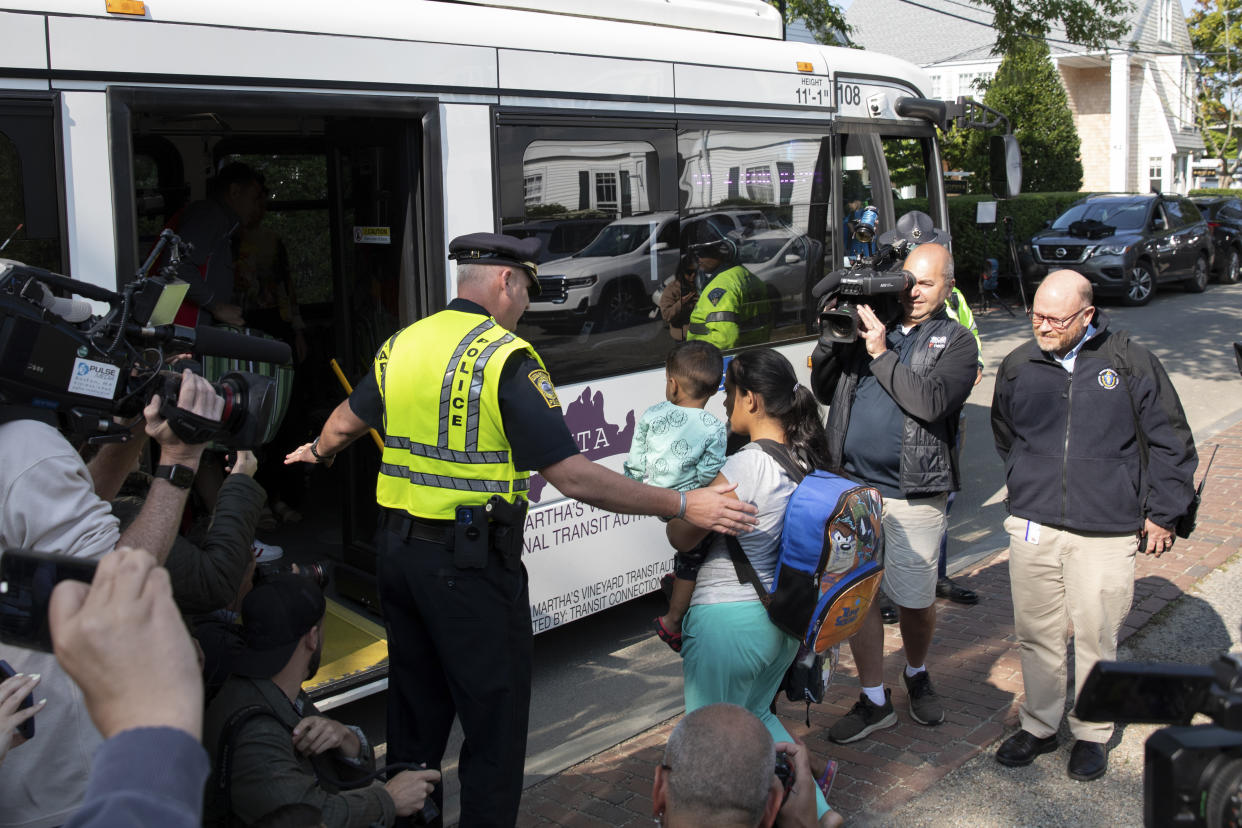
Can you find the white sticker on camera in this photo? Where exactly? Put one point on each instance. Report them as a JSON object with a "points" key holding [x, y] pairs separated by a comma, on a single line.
{"points": [[94, 379]]}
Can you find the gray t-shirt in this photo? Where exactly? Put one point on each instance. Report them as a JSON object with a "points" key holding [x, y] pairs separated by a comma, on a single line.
{"points": [[760, 480]]}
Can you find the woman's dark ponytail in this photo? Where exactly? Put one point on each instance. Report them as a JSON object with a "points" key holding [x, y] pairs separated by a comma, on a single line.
{"points": [[765, 372]]}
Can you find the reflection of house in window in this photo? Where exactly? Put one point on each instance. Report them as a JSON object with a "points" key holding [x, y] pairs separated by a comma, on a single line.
{"points": [[532, 186], [606, 192], [759, 184], [785, 178]]}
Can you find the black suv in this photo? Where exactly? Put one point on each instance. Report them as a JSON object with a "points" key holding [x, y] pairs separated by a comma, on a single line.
{"points": [[1126, 244], [1224, 216]]}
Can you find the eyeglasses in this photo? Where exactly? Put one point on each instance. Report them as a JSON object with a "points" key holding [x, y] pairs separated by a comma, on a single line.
{"points": [[1038, 319]]}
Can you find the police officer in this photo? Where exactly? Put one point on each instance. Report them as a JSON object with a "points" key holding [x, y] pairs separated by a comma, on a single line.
{"points": [[468, 410], [733, 307]]}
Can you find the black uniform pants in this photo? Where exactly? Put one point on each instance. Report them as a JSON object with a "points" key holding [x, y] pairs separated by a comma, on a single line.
{"points": [[459, 643]]}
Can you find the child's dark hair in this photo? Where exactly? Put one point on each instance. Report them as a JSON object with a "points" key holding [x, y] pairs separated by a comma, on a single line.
{"points": [[697, 366], [769, 375]]}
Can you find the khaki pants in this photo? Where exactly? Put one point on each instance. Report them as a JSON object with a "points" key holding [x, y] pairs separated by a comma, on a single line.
{"points": [[1057, 578]]}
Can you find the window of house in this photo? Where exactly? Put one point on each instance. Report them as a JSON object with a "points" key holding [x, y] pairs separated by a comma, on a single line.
{"points": [[969, 83], [935, 86], [606, 192], [1155, 173], [532, 186], [759, 184], [1166, 21]]}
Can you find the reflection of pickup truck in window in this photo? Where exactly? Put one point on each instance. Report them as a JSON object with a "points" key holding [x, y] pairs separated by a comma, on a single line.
{"points": [[558, 238], [609, 281]]}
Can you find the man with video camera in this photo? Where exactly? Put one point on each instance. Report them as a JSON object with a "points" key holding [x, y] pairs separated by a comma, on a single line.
{"points": [[895, 392], [50, 501]]}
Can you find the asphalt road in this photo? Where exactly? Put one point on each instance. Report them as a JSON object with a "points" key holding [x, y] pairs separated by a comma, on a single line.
{"points": [[606, 678]]}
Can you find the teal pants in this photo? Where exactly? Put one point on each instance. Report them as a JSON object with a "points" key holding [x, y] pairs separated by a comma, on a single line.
{"points": [[732, 653]]}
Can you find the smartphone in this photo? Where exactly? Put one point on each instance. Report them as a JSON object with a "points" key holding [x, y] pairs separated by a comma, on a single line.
{"points": [[26, 728], [26, 582]]}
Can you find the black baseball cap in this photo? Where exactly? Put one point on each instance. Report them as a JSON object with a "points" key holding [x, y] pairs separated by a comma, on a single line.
{"points": [[498, 249], [275, 615], [916, 228]]}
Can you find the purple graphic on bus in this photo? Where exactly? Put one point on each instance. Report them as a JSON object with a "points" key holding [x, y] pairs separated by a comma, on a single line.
{"points": [[595, 436]]}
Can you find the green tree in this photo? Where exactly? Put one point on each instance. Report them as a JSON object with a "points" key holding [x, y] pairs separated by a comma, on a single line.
{"points": [[1216, 34], [1028, 89], [1090, 23]]}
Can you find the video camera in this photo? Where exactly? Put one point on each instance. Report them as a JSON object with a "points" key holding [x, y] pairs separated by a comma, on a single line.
{"points": [[1191, 775], [873, 277], [62, 365]]}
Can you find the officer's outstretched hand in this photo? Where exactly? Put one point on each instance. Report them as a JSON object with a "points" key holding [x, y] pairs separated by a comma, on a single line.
{"points": [[717, 509]]}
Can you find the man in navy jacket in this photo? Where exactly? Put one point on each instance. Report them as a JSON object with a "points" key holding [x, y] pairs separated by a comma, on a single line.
{"points": [[1066, 415]]}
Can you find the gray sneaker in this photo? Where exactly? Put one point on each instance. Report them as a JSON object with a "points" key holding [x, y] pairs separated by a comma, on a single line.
{"points": [[924, 705], [864, 719]]}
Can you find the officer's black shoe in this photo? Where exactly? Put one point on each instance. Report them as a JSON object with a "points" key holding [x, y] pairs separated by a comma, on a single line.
{"points": [[1020, 749], [946, 588], [1088, 760], [888, 612]]}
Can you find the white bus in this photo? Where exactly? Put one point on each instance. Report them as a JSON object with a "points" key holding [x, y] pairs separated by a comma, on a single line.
{"points": [[619, 133]]}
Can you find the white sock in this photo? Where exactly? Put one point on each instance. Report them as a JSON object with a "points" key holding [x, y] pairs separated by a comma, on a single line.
{"points": [[911, 672], [876, 695]]}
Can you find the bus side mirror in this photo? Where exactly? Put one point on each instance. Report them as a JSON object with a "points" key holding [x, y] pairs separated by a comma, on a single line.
{"points": [[1005, 164]]}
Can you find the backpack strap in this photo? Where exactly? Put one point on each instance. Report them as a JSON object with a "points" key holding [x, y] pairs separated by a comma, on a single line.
{"points": [[224, 754], [745, 571]]}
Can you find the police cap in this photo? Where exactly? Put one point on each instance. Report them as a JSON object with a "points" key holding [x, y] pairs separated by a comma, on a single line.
{"points": [[915, 228], [498, 249], [722, 249]]}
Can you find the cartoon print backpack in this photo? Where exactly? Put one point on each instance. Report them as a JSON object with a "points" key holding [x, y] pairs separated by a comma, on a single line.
{"points": [[830, 559]]}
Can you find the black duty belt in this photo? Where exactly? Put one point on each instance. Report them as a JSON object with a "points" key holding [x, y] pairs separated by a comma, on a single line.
{"points": [[407, 526]]}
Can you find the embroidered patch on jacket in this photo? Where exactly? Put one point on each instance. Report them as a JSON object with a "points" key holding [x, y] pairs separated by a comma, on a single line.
{"points": [[543, 384], [1108, 379], [937, 343], [716, 295]]}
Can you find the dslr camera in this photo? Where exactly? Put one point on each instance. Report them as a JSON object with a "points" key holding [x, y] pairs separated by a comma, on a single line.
{"points": [[1192, 774], [63, 365]]}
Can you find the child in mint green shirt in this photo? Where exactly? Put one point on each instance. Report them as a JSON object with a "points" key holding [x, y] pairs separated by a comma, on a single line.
{"points": [[679, 445]]}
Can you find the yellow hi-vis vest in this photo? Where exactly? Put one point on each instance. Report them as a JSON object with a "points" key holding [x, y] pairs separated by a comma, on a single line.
{"points": [[445, 443]]}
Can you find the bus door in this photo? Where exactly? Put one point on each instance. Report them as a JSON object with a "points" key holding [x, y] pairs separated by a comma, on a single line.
{"points": [[334, 265], [372, 212]]}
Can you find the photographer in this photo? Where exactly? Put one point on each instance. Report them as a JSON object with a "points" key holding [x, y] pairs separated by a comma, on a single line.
{"points": [[51, 502], [208, 563], [895, 393], [718, 770], [267, 736]]}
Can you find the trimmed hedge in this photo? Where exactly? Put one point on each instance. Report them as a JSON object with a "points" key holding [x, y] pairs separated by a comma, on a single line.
{"points": [[973, 245], [1216, 191]]}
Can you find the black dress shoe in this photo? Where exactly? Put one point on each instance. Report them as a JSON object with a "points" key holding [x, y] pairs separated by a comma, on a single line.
{"points": [[1020, 749], [888, 613], [1088, 760], [945, 588]]}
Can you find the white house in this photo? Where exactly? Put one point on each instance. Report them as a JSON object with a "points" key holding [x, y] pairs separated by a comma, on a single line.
{"points": [[1133, 103]]}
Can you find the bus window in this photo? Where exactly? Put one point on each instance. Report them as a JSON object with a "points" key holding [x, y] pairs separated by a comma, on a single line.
{"points": [[861, 168], [761, 194], [908, 167], [29, 190], [605, 250]]}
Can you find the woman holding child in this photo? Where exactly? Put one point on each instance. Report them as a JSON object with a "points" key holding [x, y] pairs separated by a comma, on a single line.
{"points": [[732, 652]]}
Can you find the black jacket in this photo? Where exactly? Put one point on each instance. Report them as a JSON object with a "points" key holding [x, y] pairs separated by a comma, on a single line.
{"points": [[1069, 443], [930, 392]]}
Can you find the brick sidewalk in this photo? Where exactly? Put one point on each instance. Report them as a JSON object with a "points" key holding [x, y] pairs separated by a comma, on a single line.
{"points": [[973, 661]]}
